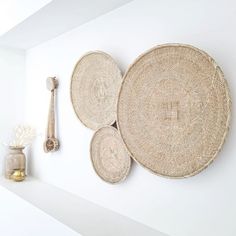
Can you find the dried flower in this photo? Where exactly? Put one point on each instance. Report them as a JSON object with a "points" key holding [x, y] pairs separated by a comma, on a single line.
{"points": [[22, 136]]}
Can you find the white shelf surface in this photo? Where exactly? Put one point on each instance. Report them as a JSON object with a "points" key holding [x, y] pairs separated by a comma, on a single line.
{"points": [[18, 217], [80, 215]]}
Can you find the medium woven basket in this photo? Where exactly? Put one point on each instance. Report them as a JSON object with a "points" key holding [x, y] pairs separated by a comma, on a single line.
{"points": [[108, 155], [95, 85], [174, 110]]}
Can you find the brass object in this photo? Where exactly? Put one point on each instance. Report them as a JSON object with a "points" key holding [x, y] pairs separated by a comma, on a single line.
{"points": [[52, 143], [18, 175]]}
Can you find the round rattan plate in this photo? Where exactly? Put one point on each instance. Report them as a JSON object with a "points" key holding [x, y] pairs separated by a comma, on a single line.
{"points": [[174, 110], [109, 157], [95, 85]]}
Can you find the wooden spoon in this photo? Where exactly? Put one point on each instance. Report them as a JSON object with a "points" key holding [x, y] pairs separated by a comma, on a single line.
{"points": [[52, 143]]}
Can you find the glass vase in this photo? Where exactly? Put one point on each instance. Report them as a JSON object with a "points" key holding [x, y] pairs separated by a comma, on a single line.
{"points": [[15, 164]]}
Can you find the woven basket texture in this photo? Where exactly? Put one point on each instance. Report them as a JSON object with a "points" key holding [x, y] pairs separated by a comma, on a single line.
{"points": [[95, 85], [174, 110], [109, 156]]}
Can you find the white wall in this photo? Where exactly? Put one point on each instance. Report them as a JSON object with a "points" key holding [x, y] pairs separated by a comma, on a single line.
{"points": [[201, 205], [12, 100]]}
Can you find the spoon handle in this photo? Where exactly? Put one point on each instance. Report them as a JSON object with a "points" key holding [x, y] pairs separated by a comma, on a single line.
{"points": [[51, 116]]}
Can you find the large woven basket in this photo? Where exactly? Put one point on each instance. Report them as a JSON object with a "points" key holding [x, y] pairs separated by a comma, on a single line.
{"points": [[95, 85], [174, 110], [108, 155]]}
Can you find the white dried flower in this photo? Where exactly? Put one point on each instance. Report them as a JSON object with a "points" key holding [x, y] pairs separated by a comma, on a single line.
{"points": [[22, 136]]}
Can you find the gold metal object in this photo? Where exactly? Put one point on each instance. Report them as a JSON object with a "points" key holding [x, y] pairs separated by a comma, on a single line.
{"points": [[18, 175]]}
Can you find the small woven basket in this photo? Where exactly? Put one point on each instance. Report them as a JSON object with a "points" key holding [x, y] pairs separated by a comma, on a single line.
{"points": [[95, 85], [108, 155]]}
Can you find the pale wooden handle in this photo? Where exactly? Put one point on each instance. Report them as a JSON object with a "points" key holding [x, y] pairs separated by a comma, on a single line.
{"points": [[51, 117]]}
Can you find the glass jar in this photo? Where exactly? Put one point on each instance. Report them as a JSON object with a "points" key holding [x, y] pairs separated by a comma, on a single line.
{"points": [[15, 164]]}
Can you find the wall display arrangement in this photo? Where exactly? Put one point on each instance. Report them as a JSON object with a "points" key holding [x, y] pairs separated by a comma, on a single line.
{"points": [[95, 85], [51, 143], [174, 110], [108, 155]]}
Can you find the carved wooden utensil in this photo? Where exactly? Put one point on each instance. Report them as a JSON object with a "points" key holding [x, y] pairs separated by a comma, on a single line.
{"points": [[51, 144]]}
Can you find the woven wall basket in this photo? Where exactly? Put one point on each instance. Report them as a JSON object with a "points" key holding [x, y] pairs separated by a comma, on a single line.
{"points": [[174, 110], [108, 154], [95, 84]]}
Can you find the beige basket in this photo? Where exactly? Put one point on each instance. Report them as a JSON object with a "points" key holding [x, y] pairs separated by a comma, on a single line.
{"points": [[95, 85], [109, 157], [174, 110]]}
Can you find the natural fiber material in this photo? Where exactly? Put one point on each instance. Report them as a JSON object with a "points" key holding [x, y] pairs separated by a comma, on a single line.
{"points": [[51, 143], [174, 110], [109, 157], [95, 85]]}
